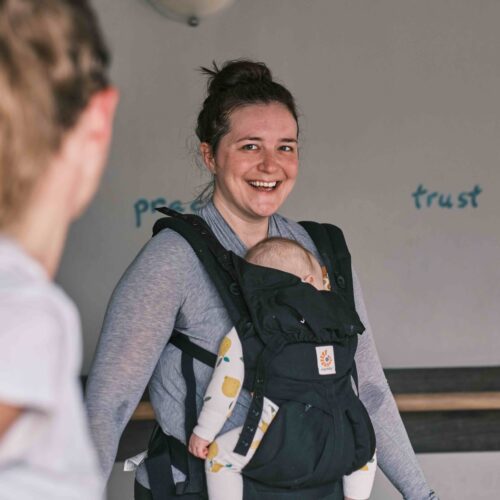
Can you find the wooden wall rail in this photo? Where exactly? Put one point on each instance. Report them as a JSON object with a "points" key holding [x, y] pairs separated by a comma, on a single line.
{"points": [[448, 401], [420, 402]]}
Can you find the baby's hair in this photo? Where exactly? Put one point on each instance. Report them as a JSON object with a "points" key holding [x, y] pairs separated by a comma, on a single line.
{"points": [[283, 254]]}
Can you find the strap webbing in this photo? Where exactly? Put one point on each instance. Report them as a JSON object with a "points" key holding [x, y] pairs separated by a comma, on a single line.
{"points": [[183, 343], [195, 475], [159, 466], [249, 429]]}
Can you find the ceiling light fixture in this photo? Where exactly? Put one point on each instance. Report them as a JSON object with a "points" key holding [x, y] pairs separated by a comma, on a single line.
{"points": [[189, 11]]}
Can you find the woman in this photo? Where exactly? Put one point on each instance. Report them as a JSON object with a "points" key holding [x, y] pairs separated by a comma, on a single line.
{"points": [[248, 130], [56, 109]]}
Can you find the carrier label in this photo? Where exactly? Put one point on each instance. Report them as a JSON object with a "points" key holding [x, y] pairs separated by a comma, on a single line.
{"points": [[326, 360]]}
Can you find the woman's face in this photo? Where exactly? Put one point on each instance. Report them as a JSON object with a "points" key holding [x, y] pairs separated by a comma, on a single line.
{"points": [[256, 162]]}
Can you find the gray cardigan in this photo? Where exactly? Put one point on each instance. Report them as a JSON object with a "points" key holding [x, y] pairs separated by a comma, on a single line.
{"points": [[166, 287]]}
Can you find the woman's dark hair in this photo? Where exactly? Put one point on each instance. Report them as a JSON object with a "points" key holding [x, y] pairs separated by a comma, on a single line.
{"points": [[237, 83]]}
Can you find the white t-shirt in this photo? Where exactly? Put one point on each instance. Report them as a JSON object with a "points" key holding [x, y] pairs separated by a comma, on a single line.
{"points": [[47, 452]]}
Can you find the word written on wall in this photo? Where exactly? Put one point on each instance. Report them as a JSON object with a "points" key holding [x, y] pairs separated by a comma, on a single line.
{"points": [[426, 198], [143, 207]]}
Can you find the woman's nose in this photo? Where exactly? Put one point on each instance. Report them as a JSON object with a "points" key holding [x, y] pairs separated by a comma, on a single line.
{"points": [[268, 162]]}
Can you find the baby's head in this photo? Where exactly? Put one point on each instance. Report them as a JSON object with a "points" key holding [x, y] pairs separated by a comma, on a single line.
{"points": [[289, 256]]}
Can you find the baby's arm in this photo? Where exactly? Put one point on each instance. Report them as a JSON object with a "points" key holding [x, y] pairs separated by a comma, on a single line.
{"points": [[221, 394]]}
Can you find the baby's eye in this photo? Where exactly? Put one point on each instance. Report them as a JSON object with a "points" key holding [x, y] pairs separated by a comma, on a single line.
{"points": [[249, 147]]}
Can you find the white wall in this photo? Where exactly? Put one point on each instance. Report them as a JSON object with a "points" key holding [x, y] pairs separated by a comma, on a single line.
{"points": [[394, 93]]}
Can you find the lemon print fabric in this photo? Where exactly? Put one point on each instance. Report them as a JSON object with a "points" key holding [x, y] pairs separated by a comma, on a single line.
{"points": [[255, 444], [263, 426], [230, 386], [224, 347], [216, 466], [213, 449]]}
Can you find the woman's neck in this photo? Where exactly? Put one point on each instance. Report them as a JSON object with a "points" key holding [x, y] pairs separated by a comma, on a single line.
{"points": [[249, 231]]}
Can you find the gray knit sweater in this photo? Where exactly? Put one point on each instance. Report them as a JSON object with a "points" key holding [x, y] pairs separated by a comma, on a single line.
{"points": [[166, 287]]}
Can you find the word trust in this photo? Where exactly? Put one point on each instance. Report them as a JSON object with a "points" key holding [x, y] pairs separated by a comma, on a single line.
{"points": [[144, 206], [427, 198]]}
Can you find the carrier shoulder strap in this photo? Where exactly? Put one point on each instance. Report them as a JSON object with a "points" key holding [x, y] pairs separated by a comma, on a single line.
{"points": [[165, 450], [214, 257], [332, 247]]}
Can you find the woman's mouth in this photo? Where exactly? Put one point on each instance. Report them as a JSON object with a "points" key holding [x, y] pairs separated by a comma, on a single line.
{"points": [[264, 185]]}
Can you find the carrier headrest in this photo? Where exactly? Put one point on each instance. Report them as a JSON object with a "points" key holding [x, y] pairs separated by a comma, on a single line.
{"points": [[280, 302]]}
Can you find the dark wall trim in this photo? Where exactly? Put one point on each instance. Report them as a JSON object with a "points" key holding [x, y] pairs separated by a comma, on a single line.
{"points": [[433, 380], [453, 431]]}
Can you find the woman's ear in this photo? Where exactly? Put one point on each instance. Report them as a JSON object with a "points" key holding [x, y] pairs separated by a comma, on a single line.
{"points": [[208, 157]]}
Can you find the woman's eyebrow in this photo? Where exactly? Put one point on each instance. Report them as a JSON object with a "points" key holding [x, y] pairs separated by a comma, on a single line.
{"points": [[247, 138], [285, 139]]}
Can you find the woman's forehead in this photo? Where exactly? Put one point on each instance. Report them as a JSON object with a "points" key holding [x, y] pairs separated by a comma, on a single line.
{"points": [[254, 120]]}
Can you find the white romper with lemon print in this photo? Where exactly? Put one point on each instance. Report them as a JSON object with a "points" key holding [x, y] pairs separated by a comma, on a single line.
{"points": [[223, 466]]}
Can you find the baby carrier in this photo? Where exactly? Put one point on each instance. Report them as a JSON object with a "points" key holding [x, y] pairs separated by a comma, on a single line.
{"points": [[298, 348]]}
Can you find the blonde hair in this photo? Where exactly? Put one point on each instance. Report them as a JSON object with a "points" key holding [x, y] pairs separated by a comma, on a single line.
{"points": [[52, 60], [283, 254]]}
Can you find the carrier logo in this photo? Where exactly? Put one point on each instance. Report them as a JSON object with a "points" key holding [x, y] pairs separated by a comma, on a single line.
{"points": [[325, 359]]}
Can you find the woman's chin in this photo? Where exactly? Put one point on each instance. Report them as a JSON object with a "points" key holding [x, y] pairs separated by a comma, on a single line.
{"points": [[264, 210]]}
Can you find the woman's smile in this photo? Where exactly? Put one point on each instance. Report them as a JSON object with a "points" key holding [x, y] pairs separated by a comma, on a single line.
{"points": [[265, 186]]}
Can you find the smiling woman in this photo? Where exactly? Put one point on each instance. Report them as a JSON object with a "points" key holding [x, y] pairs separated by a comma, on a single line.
{"points": [[248, 132], [254, 167]]}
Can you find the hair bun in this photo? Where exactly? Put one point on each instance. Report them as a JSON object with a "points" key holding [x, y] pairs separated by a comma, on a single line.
{"points": [[236, 73]]}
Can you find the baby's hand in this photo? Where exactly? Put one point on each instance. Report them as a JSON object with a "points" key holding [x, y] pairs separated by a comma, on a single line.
{"points": [[198, 447]]}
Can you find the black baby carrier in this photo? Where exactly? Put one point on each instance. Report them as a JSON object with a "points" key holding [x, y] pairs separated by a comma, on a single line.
{"points": [[298, 348]]}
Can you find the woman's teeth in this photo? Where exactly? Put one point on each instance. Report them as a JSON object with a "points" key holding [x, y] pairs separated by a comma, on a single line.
{"points": [[262, 184]]}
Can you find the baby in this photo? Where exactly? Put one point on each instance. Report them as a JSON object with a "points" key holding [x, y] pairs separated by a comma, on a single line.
{"points": [[223, 466]]}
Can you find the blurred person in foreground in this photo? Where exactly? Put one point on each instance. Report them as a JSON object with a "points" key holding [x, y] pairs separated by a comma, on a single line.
{"points": [[56, 112]]}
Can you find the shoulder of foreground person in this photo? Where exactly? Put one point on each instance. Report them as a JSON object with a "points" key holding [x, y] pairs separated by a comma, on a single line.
{"points": [[32, 350]]}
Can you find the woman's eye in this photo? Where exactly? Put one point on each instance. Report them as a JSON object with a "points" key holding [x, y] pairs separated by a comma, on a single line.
{"points": [[249, 147]]}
